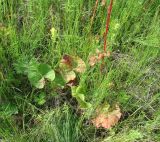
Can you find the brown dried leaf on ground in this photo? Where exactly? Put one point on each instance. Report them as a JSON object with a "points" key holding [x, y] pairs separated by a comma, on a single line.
{"points": [[107, 120]]}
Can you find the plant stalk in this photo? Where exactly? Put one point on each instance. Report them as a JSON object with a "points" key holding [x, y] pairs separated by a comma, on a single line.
{"points": [[109, 10]]}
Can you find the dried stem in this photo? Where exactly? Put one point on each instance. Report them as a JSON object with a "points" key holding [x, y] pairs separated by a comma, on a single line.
{"points": [[94, 12], [107, 24]]}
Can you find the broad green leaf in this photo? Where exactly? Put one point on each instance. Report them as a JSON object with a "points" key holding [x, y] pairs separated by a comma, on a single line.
{"points": [[40, 84], [80, 89], [84, 104], [80, 98], [44, 69], [59, 79], [36, 79], [46, 72], [37, 73], [50, 75]]}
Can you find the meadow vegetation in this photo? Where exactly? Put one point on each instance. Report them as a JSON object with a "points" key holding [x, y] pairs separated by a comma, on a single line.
{"points": [[40, 99]]}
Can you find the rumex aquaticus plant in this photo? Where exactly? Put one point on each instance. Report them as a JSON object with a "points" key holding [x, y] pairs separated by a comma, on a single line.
{"points": [[69, 68], [105, 116]]}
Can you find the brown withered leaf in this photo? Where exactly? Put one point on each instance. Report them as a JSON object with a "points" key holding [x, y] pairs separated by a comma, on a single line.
{"points": [[108, 54], [81, 66], [69, 76], [101, 56], [69, 65], [66, 63], [92, 60], [75, 63], [103, 2], [98, 56], [107, 120], [72, 82]]}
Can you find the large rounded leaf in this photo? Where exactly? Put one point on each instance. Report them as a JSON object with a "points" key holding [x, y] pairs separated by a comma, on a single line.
{"points": [[36, 79], [46, 72], [50, 75], [59, 80]]}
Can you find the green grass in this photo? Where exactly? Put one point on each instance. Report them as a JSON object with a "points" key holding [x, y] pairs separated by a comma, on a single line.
{"points": [[134, 39]]}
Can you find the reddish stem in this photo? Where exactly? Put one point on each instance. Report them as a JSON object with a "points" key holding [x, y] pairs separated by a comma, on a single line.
{"points": [[107, 24]]}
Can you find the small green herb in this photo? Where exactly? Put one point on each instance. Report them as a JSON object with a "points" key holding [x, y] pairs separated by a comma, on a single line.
{"points": [[40, 99], [80, 97]]}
